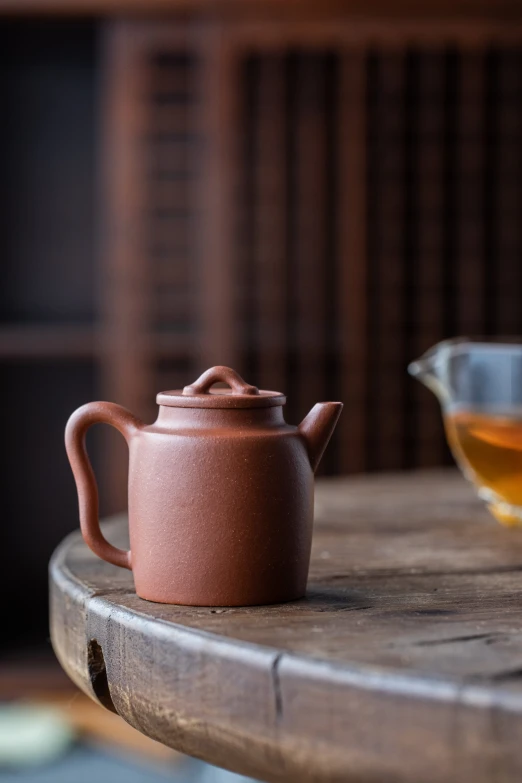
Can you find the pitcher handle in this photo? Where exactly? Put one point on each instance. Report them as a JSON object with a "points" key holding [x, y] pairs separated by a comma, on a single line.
{"points": [[75, 432]]}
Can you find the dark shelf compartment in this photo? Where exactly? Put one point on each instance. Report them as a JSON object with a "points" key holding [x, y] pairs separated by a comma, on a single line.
{"points": [[48, 330], [48, 78]]}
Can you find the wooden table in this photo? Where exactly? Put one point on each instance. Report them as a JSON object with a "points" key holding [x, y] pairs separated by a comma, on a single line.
{"points": [[404, 662]]}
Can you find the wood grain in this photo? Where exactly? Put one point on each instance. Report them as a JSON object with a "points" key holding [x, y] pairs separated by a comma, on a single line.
{"points": [[403, 663]]}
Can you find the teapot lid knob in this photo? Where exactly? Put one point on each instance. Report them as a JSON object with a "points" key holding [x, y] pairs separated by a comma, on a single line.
{"points": [[200, 394], [220, 374]]}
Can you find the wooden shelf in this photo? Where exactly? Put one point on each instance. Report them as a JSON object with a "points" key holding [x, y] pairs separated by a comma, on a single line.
{"points": [[79, 342], [46, 342]]}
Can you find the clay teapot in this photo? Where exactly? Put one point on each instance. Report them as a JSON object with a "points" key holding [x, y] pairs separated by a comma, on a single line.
{"points": [[220, 492]]}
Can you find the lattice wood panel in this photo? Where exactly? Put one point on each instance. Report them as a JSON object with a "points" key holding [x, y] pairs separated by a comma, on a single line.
{"points": [[438, 250], [171, 144], [320, 211]]}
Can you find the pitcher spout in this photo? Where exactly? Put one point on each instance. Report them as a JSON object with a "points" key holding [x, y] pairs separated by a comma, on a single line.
{"points": [[432, 369], [424, 369], [317, 429]]}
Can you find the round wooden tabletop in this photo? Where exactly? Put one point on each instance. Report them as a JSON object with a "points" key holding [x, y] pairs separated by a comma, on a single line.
{"points": [[403, 663]]}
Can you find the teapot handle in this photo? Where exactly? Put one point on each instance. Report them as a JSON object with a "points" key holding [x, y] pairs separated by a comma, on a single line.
{"points": [[75, 432], [220, 374]]}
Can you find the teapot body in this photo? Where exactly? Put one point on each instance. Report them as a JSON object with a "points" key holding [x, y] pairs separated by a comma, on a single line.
{"points": [[220, 508]]}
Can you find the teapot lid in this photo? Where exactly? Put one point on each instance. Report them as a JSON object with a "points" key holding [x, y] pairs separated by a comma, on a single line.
{"points": [[201, 395]]}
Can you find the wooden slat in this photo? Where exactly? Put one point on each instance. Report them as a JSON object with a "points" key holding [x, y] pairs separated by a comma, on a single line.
{"points": [[387, 357], [469, 182], [217, 191], [508, 207], [352, 261], [310, 238], [428, 297], [271, 222], [126, 365]]}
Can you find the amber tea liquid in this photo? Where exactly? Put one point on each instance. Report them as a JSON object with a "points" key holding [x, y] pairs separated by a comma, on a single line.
{"points": [[488, 447]]}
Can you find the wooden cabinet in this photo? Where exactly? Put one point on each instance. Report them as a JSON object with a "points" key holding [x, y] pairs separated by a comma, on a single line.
{"points": [[331, 197]]}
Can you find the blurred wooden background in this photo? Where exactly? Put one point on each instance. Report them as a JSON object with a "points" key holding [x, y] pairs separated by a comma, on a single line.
{"points": [[313, 194], [315, 203]]}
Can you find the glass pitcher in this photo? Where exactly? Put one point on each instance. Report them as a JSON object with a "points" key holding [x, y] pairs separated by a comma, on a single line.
{"points": [[479, 386]]}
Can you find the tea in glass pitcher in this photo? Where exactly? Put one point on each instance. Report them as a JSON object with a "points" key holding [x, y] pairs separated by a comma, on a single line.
{"points": [[490, 448], [479, 385]]}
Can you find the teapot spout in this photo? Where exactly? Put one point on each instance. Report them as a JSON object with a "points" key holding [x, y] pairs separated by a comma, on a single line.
{"points": [[317, 428]]}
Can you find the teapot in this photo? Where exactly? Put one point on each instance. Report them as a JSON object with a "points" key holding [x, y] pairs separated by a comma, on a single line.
{"points": [[221, 492]]}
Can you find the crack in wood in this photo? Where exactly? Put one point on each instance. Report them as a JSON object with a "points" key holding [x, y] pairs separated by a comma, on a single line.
{"points": [[98, 675], [276, 684], [415, 572], [456, 639]]}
